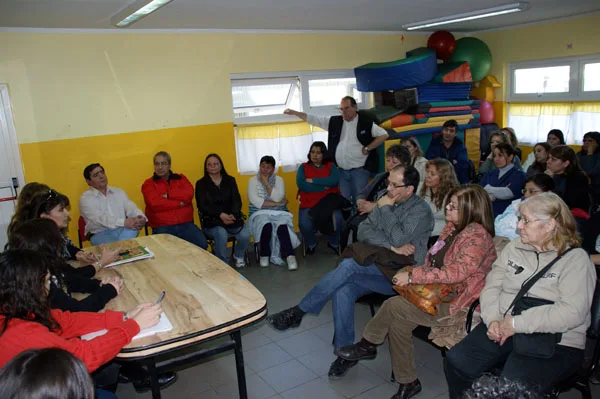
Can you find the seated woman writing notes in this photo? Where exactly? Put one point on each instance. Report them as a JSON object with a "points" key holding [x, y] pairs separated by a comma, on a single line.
{"points": [[535, 304], [462, 255]]}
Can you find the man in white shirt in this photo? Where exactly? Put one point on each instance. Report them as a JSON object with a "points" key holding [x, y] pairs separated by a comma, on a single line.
{"points": [[352, 141], [109, 214]]}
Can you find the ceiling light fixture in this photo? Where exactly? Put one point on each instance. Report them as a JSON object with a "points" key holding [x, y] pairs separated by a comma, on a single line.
{"points": [[136, 11], [468, 16]]}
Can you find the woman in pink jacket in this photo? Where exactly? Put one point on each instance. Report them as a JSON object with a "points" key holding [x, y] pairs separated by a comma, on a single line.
{"points": [[463, 254]]}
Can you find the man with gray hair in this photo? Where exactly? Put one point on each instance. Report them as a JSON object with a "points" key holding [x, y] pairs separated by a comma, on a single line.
{"points": [[168, 197]]}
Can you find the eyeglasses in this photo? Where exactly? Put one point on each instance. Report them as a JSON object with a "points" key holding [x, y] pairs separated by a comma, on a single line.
{"points": [[525, 191], [527, 221], [451, 206], [163, 163], [394, 185]]}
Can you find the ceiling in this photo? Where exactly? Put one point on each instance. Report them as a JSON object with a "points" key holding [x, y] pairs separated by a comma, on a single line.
{"points": [[351, 15]]}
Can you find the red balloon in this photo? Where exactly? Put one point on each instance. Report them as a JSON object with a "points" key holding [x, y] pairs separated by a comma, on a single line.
{"points": [[486, 112], [443, 42]]}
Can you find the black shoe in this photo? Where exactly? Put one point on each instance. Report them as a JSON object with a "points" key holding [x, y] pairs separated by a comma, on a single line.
{"points": [[361, 350], [285, 319], [340, 367], [164, 380], [311, 251], [334, 249], [408, 390]]}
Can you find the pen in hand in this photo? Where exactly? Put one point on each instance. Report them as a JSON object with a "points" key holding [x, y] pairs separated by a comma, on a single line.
{"points": [[160, 298]]}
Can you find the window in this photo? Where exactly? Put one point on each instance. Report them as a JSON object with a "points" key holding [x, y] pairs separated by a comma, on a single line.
{"points": [[261, 127], [560, 79], [591, 76], [261, 98], [561, 93]]}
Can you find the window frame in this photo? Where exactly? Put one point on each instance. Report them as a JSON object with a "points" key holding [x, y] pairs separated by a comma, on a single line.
{"points": [[575, 92], [304, 77]]}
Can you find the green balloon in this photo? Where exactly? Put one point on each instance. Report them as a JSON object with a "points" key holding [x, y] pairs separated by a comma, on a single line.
{"points": [[476, 53]]}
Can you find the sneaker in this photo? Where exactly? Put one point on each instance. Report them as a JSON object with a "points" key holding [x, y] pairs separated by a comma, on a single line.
{"points": [[285, 319], [340, 367], [264, 261], [291, 262], [239, 262]]}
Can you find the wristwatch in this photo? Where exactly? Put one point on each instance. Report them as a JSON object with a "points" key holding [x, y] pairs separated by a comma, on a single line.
{"points": [[366, 148]]}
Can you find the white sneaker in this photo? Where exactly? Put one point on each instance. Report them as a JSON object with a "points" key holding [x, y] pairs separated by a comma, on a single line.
{"points": [[291, 262], [264, 261], [239, 262]]}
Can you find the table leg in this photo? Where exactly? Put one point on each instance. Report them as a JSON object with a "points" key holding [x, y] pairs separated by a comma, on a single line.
{"points": [[153, 379], [239, 364]]}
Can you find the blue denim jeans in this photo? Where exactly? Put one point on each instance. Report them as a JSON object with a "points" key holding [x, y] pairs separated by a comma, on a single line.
{"points": [[477, 354], [219, 234], [345, 284], [352, 182], [308, 231], [186, 231], [102, 394], [114, 235]]}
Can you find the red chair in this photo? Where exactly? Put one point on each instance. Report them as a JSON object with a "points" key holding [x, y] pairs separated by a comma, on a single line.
{"points": [[81, 231]]}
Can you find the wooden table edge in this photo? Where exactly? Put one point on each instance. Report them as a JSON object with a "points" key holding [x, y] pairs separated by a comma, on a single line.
{"points": [[161, 349]]}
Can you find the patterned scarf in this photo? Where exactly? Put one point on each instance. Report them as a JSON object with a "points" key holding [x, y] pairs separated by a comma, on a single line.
{"points": [[66, 255]]}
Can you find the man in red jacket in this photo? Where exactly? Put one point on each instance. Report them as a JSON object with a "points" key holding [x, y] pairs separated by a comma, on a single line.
{"points": [[168, 197]]}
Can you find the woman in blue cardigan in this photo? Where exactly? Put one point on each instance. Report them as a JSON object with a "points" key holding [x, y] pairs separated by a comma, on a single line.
{"points": [[504, 183]]}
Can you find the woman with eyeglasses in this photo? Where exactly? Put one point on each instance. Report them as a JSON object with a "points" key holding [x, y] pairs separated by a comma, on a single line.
{"points": [[506, 181], [50, 204], [563, 298], [440, 179], [570, 182], [463, 254], [506, 223]]}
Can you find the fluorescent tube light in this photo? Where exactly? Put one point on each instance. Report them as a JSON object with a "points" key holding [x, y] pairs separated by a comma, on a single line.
{"points": [[468, 16], [136, 11]]}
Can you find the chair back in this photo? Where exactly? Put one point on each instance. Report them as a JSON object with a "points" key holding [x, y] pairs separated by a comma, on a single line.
{"points": [[81, 231], [594, 329]]}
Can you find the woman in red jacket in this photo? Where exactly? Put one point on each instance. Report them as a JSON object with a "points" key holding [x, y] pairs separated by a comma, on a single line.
{"points": [[27, 322], [316, 179]]}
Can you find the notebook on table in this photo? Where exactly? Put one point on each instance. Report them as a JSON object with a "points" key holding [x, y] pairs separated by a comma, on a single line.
{"points": [[131, 255], [163, 325]]}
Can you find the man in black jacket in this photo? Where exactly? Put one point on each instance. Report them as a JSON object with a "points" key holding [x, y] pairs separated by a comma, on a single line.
{"points": [[352, 141]]}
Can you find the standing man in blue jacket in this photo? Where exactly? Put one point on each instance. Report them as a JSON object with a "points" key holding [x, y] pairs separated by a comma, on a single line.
{"points": [[449, 147]]}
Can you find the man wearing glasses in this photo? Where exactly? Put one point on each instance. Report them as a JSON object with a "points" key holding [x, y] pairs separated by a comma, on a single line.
{"points": [[401, 221], [352, 140], [168, 197], [108, 212]]}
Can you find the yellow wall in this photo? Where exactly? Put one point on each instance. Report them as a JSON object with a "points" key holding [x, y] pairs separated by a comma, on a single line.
{"points": [[119, 98], [536, 42]]}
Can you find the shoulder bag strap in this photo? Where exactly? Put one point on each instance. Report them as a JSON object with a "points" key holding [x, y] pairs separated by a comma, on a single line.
{"points": [[533, 280]]}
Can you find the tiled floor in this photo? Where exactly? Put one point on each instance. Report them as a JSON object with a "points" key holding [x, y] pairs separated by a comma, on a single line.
{"points": [[293, 364]]}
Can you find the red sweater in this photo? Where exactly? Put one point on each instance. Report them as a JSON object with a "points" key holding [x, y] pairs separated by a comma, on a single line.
{"points": [[168, 211], [22, 335], [308, 200]]}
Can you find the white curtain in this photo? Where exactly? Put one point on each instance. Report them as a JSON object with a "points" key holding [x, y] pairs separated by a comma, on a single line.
{"points": [[532, 122], [288, 143]]}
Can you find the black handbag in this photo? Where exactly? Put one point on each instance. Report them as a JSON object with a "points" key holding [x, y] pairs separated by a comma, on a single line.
{"points": [[542, 345]]}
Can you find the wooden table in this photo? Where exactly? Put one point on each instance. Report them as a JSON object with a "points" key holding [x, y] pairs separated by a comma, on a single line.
{"points": [[205, 299]]}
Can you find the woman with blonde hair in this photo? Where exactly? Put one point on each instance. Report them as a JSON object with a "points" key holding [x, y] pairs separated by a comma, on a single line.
{"points": [[440, 179], [417, 157], [463, 255], [542, 284]]}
